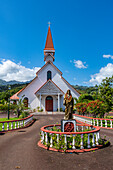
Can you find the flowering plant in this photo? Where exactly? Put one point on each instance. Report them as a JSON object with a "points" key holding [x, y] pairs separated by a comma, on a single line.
{"points": [[96, 107], [81, 108]]}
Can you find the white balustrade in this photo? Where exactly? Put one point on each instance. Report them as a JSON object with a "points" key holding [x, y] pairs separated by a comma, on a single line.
{"points": [[51, 141], [105, 123], [81, 143], [96, 138], [57, 138], [3, 126], [11, 125], [15, 125], [94, 122], [7, 125], [82, 128], [65, 140], [101, 123], [97, 122], [73, 143], [88, 141], [77, 128], [111, 124], [46, 137], [93, 140]]}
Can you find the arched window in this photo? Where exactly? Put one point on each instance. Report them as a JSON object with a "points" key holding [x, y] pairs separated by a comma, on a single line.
{"points": [[25, 101], [48, 75]]}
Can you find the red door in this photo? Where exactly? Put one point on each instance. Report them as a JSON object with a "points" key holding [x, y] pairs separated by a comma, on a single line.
{"points": [[49, 103]]}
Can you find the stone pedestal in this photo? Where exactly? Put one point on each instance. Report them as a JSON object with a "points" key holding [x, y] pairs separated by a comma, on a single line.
{"points": [[68, 125]]}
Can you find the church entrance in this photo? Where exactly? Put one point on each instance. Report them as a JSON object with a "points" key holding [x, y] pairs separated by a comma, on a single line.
{"points": [[49, 103]]}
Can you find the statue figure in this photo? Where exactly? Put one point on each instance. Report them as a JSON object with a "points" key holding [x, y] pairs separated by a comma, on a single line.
{"points": [[68, 102]]}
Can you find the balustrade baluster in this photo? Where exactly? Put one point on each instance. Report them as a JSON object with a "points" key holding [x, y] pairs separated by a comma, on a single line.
{"points": [[42, 136], [94, 122], [18, 124], [98, 135], [97, 122], [77, 128], [15, 125], [3, 126], [91, 121], [82, 128], [96, 138], [73, 143], [46, 137], [57, 138], [105, 123], [11, 125], [111, 124], [51, 141], [88, 141], [101, 123], [65, 140], [7, 125], [81, 143], [93, 140]]}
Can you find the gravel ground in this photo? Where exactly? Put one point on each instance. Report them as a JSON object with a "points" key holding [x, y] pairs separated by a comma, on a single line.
{"points": [[19, 150]]}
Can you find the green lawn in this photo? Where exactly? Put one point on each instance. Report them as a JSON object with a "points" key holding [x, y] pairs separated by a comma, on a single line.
{"points": [[6, 119]]}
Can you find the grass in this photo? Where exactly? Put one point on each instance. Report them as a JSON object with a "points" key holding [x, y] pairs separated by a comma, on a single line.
{"points": [[6, 119]]}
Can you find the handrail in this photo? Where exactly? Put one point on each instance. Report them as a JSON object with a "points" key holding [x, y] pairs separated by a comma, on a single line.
{"points": [[99, 122], [92, 138], [15, 124]]}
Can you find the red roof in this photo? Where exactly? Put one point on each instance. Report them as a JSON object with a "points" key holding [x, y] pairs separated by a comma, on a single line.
{"points": [[49, 41], [15, 96]]}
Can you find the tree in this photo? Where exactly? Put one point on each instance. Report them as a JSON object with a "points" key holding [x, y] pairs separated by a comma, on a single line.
{"points": [[105, 92], [20, 106]]}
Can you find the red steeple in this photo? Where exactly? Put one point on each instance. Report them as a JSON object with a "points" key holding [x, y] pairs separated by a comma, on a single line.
{"points": [[49, 48]]}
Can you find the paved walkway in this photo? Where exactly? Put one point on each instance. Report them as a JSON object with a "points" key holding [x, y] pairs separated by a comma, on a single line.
{"points": [[19, 150]]}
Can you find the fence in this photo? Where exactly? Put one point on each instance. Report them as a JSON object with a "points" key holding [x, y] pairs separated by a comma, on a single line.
{"points": [[100, 122], [15, 124]]}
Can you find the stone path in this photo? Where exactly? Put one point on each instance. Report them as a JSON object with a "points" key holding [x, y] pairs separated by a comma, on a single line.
{"points": [[19, 150]]}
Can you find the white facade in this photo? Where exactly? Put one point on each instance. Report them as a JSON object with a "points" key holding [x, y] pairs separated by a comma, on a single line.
{"points": [[38, 99], [47, 89]]}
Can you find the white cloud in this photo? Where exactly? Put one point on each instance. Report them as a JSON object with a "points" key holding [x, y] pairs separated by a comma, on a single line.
{"points": [[74, 78], [80, 64], [104, 72], [108, 56], [66, 71], [9, 70]]}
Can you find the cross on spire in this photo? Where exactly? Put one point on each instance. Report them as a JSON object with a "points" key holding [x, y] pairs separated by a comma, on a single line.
{"points": [[49, 23]]}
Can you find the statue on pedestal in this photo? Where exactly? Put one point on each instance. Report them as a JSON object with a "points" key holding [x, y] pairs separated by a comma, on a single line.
{"points": [[68, 102]]}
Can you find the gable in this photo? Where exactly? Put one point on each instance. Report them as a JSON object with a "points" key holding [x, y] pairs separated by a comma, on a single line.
{"points": [[45, 66], [49, 88]]}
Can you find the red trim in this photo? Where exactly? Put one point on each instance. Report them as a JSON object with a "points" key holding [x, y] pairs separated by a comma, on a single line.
{"points": [[68, 133], [17, 119], [91, 117], [74, 150], [70, 85], [49, 62], [46, 83]]}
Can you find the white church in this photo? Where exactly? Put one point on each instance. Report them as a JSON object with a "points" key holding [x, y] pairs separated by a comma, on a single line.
{"points": [[46, 91]]}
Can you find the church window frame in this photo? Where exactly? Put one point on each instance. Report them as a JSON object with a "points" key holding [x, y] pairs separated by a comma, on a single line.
{"points": [[49, 75]]}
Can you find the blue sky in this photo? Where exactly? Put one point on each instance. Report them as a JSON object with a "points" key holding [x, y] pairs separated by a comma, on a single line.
{"points": [[82, 32]]}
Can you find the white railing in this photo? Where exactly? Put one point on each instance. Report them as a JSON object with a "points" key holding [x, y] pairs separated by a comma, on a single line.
{"points": [[47, 137], [100, 122], [15, 124]]}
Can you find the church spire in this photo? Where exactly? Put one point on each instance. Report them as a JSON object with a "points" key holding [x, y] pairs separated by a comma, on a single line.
{"points": [[49, 47]]}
